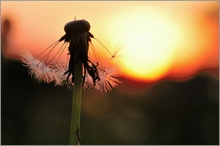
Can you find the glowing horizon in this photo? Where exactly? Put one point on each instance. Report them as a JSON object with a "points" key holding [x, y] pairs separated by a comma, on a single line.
{"points": [[159, 39]]}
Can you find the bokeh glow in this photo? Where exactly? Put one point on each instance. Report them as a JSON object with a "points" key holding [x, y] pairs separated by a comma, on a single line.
{"points": [[160, 39]]}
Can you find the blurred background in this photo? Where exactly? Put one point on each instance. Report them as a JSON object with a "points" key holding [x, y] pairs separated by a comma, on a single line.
{"points": [[170, 84]]}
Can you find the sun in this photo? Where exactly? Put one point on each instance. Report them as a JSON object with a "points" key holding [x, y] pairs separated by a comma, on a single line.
{"points": [[149, 38]]}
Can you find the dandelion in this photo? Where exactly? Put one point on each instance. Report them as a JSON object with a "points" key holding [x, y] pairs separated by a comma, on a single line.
{"points": [[80, 72], [104, 74]]}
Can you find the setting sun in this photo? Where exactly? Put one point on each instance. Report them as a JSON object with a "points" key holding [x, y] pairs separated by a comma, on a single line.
{"points": [[150, 38]]}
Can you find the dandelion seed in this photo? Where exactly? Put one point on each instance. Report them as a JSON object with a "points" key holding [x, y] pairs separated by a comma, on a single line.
{"points": [[101, 75], [42, 72], [108, 77]]}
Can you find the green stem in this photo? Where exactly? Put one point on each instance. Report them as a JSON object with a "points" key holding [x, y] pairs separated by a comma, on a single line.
{"points": [[76, 105]]}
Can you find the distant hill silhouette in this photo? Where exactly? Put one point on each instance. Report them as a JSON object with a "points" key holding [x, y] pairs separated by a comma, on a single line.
{"points": [[168, 112]]}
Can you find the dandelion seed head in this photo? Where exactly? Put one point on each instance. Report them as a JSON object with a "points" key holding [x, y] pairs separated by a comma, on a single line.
{"points": [[49, 69]]}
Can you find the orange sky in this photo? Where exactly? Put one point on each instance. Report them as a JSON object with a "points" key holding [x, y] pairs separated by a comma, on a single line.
{"points": [[160, 39]]}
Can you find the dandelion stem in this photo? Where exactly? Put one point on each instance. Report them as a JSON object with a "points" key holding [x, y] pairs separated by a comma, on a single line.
{"points": [[76, 104]]}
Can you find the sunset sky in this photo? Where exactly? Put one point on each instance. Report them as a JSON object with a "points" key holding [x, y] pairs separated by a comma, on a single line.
{"points": [[157, 39]]}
